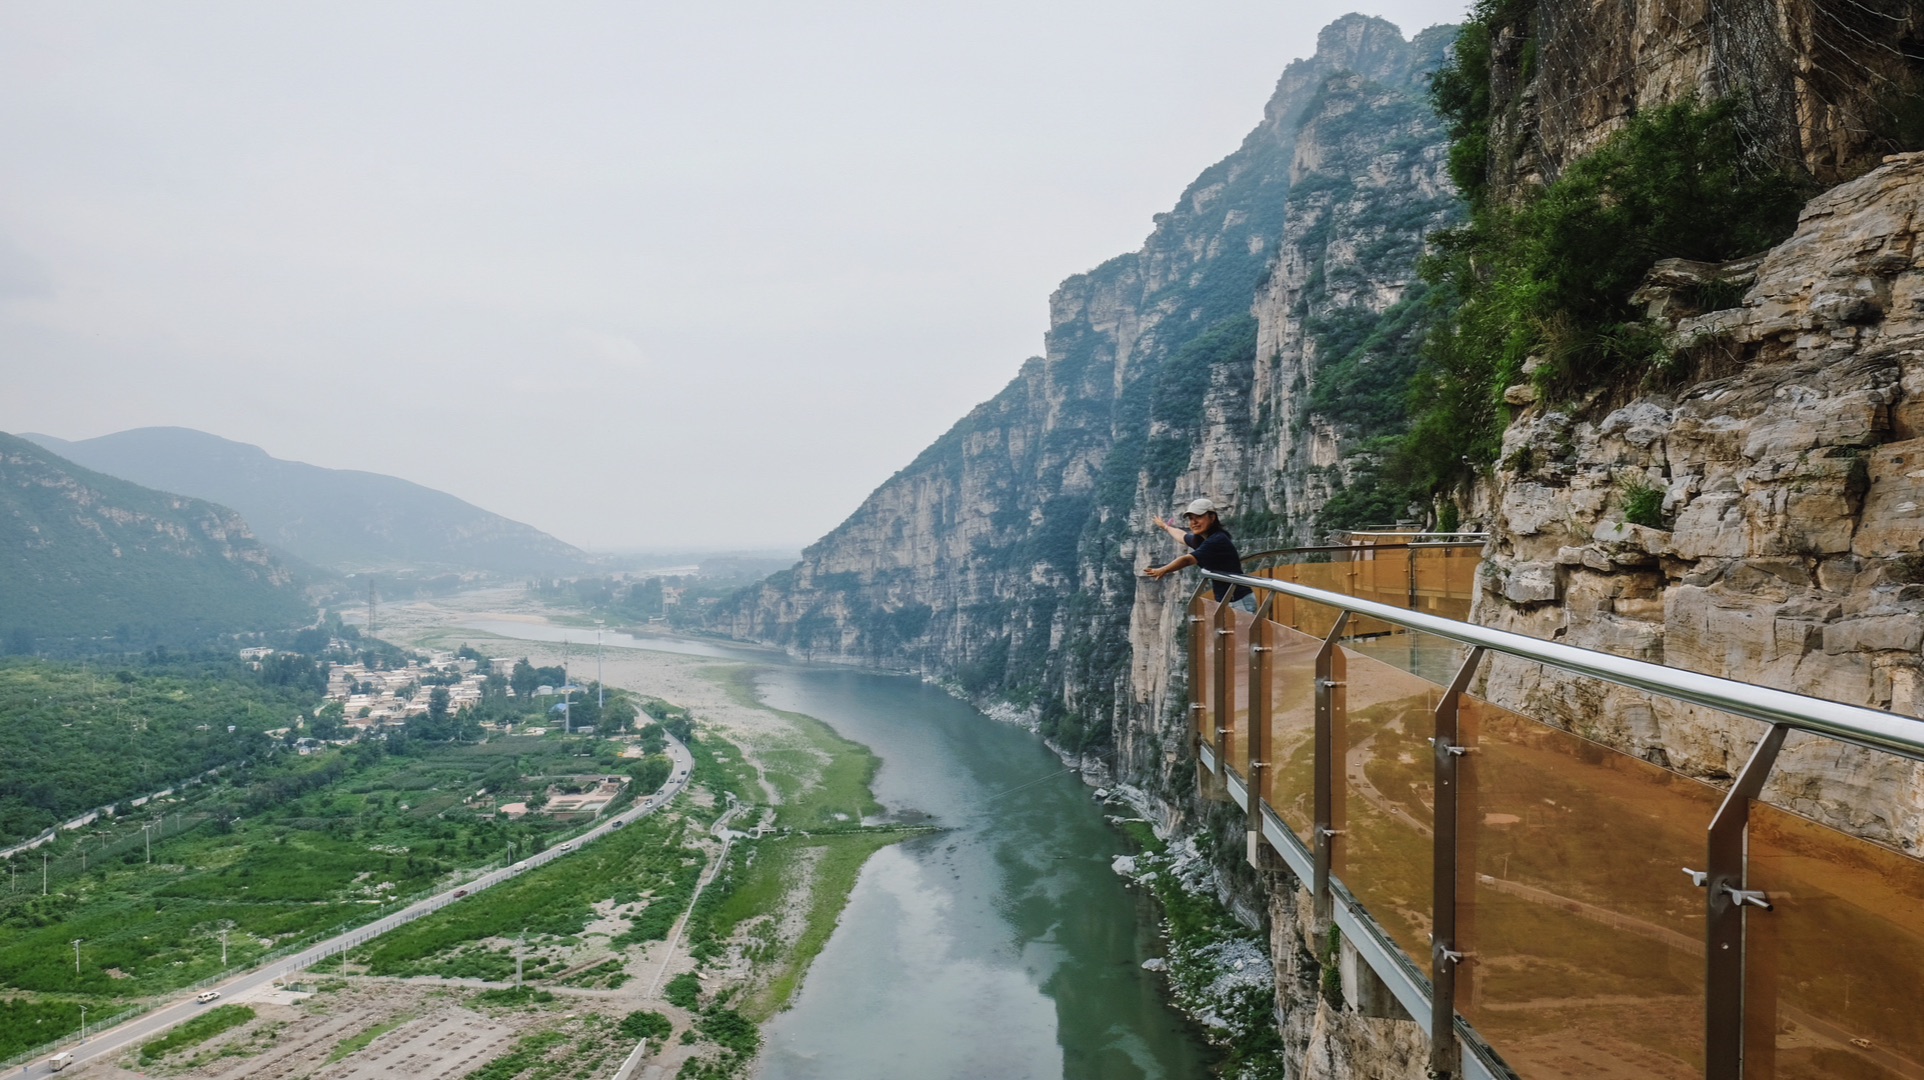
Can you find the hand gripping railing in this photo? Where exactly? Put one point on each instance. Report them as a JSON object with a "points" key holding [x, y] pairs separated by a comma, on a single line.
{"points": [[1724, 877]]}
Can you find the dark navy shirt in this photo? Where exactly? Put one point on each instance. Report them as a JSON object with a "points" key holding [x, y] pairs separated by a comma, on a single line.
{"points": [[1217, 554]]}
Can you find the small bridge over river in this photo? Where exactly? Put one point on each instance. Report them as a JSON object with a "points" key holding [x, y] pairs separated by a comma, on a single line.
{"points": [[1543, 905]]}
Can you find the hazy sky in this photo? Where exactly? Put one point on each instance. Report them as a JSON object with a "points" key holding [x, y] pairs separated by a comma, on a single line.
{"points": [[639, 274]]}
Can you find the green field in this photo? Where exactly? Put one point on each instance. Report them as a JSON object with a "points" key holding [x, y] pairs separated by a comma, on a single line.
{"points": [[284, 849], [196, 1031], [276, 854], [644, 862]]}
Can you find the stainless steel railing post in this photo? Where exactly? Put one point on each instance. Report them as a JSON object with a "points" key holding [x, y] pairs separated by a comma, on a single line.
{"points": [[1445, 955], [1261, 641], [1222, 642], [1724, 879], [1329, 684]]}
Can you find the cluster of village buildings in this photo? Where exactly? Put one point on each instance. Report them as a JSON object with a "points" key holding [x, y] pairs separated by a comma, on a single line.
{"points": [[374, 698]]}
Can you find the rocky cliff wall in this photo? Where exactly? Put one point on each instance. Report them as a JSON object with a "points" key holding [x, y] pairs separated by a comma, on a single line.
{"points": [[1782, 539]]}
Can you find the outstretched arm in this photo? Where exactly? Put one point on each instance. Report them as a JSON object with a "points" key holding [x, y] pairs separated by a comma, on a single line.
{"points": [[1175, 533], [1160, 572]]}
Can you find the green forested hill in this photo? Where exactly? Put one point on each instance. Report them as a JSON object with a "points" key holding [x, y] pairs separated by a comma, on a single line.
{"points": [[340, 519], [72, 738], [87, 560]]}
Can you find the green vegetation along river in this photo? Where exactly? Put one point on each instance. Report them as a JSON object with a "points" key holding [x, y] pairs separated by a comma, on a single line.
{"points": [[1002, 946]]}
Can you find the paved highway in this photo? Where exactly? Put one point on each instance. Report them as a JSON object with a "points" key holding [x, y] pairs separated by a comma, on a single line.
{"points": [[104, 1045]]}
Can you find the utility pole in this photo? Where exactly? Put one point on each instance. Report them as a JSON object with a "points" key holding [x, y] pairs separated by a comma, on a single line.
{"points": [[83, 1023], [76, 957], [519, 947], [601, 692], [43, 873], [146, 834], [223, 948]]}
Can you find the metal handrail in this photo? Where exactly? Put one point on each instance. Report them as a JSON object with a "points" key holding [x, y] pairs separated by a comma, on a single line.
{"points": [[1314, 549], [1888, 731], [1411, 532]]}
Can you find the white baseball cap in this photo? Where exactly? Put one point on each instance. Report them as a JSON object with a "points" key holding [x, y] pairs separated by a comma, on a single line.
{"points": [[1200, 507]]}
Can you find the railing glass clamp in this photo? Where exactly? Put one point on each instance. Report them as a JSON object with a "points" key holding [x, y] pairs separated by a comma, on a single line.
{"points": [[1450, 748], [1697, 877], [1740, 897], [1331, 683], [1259, 648]]}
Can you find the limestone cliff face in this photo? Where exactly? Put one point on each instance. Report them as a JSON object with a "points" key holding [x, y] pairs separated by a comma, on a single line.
{"points": [[1826, 80], [1788, 543], [1005, 558]]}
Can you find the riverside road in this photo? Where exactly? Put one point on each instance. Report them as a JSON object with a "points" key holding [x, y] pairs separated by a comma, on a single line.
{"points": [[104, 1045]]}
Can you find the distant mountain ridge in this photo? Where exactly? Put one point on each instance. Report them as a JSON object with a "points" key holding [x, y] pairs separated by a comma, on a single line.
{"points": [[339, 519], [87, 558]]}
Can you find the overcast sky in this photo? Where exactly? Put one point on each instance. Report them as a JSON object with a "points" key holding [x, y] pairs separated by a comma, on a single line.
{"points": [[642, 275]]}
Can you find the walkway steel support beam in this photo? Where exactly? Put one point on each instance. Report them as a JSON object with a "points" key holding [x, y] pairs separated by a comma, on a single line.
{"points": [[1724, 880], [1329, 683], [1446, 1058]]}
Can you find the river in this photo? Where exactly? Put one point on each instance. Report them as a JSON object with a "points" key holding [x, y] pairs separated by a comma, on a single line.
{"points": [[1003, 946]]}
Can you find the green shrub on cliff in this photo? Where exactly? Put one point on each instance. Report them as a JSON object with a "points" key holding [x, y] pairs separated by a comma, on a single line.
{"points": [[1549, 275]]}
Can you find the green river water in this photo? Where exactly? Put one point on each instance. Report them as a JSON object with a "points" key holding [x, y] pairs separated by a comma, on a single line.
{"points": [[1003, 946]]}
